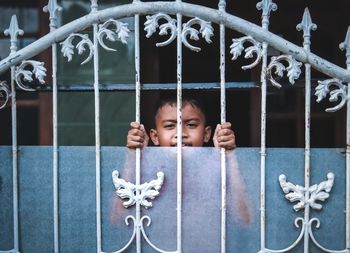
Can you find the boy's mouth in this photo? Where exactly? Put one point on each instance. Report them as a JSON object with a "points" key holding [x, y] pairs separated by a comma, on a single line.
{"points": [[183, 145]]}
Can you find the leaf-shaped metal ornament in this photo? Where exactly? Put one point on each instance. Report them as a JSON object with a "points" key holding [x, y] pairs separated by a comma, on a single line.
{"points": [[339, 91], [21, 73], [312, 194], [205, 29], [237, 48], [68, 47], [137, 193], [293, 69], [152, 23], [4, 94], [121, 33]]}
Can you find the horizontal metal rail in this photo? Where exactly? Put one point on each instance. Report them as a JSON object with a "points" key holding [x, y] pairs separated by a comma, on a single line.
{"points": [[147, 86], [186, 9]]}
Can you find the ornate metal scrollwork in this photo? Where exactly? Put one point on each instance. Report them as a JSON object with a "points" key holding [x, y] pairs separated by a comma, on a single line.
{"points": [[67, 46], [39, 72], [137, 193], [205, 29], [293, 69], [4, 94], [151, 26], [121, 33], [323, 88], [312, 194], [237, 49]]}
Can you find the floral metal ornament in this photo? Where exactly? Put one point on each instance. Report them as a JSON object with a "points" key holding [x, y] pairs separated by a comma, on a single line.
{"points": [[21, 73], [67, 46], [237, 48], [137, 193], [340, 91], [4, 94], [121, 33], [312, 194], [205, 29], [293, 69], [152, 23]]}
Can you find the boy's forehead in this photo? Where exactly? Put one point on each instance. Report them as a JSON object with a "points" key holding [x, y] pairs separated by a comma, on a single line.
{"points": [[172, 107]]}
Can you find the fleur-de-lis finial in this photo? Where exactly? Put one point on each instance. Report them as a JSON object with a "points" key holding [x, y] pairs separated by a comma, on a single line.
{"points": [[13, 31], [346, 46], [94, 5], [53, 8], [266, 6], [306, 26]]}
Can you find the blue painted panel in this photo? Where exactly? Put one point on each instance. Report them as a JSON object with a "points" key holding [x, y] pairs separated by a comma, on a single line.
{"points": [[201, 199]]}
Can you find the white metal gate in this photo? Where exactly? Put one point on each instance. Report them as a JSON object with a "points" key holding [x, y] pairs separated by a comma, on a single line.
{"points": [[106, 26]]}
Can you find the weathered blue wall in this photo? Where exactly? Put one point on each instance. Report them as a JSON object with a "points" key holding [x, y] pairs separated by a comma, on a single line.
{"points": [[201, 199]]}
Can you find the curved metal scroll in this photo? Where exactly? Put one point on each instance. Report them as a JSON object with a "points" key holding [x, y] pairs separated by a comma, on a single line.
{"points": [[237, 49], [121, 33], [340, 91], [21, 73], [4, 94], [293, 69], [67, 46], [152, 24]]}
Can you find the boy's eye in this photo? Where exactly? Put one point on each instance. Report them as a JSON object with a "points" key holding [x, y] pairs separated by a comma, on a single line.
{"points": [[192, 125], [169, 126]]}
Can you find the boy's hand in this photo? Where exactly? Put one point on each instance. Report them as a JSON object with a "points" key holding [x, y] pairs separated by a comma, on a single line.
{"points": [[137, 136], [224, 137]]}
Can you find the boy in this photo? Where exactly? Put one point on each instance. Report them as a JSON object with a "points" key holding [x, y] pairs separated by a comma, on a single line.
{"points": [[195, 132]]}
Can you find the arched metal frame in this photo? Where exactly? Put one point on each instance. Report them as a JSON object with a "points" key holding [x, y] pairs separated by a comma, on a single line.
{"points": [[260, 38]]}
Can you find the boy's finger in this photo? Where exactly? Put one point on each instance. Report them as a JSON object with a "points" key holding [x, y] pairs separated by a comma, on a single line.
{"points": [[135, 125], [226, 138], [135, 138], [136, 132], [226, 125], [227, 145], [224, 132], [134, 144]]}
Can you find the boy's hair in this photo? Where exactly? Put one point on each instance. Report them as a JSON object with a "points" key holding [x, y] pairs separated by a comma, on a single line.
{"points": [[171, 99]]}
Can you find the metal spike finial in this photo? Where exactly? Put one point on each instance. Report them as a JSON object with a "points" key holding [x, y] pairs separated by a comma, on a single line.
{"points": [[306, 24], [266, 6], [346, 46], [53, 8], [13, 31]]}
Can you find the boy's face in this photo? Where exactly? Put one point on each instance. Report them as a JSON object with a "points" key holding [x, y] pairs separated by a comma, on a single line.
{"points": [[194, 131]]}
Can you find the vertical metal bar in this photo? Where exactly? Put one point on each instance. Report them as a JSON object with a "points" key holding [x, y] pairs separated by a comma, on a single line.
{"points": [[53, 8], [347, 218], [306, 25], [94, 7], [347, 211], [222, 7], [13, 31], [138, 118], [179, 131], [266, 6], [14, 160]]}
